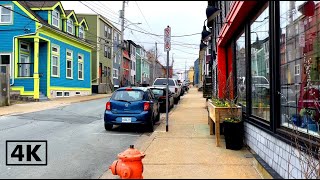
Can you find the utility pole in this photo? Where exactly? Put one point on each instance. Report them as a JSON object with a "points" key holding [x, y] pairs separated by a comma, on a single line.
{"points": [[154, 64], [122, 45]]}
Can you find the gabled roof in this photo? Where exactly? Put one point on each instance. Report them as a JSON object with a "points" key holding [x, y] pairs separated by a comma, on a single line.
{"points": [[45, 5], [81, 21], [70, 13]]}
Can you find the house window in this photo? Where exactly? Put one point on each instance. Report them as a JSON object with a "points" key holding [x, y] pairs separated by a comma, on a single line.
{"points": [[6, 15], [78, 93], [66, 94], [105, 71], [297, 70], [107, 32], [70, 26], [55, 61], [69, 65], [4, 59], [81, 32], [115, 73], [107, 52], [25, 66], [59, 94], [80, 67], [56, 18]]}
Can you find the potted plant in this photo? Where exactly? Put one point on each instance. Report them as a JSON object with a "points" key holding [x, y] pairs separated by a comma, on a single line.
{"points": [[219, 110], [233, 128]]}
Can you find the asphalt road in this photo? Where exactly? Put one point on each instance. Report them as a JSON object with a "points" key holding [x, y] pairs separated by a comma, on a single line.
{"points": [[78, 145]]}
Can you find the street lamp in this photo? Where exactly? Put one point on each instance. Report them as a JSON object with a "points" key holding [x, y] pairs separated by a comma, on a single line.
{"points": [[205, 34], [212, 12]]}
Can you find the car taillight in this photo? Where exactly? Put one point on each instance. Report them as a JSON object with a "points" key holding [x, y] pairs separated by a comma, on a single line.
{"points": [[108, 106], [176, 89], [162, 97], [128, 89], [146, 106]]}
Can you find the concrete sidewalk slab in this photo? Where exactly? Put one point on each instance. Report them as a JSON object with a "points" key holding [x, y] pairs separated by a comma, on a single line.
{"points": [[44, 105], [188, 151]]}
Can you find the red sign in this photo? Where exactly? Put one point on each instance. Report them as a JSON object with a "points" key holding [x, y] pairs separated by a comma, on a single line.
{"points": [[167, 39]]}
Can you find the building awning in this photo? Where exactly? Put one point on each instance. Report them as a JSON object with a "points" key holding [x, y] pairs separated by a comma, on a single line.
{"points": [[126, 54]]}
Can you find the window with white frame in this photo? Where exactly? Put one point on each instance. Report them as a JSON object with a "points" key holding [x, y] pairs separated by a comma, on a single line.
{"points": [[55, 58], [25, 66], [80, 66], [107, 31], [81, 32], [69, 65], [6, 14], [66, 93], [59, 94], [70, 27], [115, 73], [56, 18]]}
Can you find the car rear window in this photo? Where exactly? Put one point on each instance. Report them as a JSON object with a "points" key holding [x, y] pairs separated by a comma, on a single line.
{"points": [[164, 82], [134, 95], [158, 91], [259, 80]]}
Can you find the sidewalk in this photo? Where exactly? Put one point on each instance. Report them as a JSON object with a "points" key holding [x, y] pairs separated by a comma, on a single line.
{"points": [[187, 150], [39, 106]]}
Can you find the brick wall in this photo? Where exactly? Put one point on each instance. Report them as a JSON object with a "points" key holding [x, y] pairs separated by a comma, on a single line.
{"points": [[277, 154]]}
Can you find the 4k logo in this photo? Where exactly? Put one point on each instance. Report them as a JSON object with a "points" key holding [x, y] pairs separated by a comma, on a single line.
{"points": [[23, 153]]}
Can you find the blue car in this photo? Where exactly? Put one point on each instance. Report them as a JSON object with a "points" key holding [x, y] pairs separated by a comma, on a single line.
{"points": [[132, 105]]}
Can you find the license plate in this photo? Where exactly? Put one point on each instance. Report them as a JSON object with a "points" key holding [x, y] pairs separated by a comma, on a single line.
{"points": [[126, 119]]}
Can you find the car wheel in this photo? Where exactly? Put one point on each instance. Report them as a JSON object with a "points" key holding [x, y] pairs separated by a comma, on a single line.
{"points": [[179, 98], [158, 117], [150, 126], [108, 127], [176, 100]]}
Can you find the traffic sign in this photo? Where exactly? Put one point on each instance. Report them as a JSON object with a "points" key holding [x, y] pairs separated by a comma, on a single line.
{"points": [[167, 39]]}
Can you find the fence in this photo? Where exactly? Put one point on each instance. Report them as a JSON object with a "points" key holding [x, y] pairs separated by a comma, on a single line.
{"points": [[4, 85]]}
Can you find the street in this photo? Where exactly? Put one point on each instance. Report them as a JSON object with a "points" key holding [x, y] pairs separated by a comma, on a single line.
{"points": [[78, 145]]}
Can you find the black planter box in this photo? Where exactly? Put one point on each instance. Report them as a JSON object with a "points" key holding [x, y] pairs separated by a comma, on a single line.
{"points": [[233, 133]]}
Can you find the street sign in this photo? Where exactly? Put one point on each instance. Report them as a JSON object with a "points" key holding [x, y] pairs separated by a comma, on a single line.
{"points": [[167, 39]]}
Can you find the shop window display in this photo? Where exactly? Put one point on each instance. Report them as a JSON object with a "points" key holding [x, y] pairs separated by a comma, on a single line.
{"points": [[300, 65], [260, 75]]}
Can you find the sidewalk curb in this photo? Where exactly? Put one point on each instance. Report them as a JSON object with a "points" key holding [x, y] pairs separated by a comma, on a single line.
{"points": [[58, 104]]}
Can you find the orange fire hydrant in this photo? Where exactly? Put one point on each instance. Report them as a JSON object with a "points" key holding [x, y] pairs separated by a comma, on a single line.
{"points": [[129, 165]]}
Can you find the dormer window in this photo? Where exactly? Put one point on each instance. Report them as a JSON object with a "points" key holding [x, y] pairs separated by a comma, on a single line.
{"points": [[56, 18], [81, 32], [70, 26]]}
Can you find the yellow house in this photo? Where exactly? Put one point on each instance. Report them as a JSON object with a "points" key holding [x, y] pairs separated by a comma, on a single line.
{"points": [[191, 74]]}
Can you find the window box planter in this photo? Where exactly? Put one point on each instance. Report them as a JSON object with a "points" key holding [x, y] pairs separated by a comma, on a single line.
{"points": [[217, 115]]}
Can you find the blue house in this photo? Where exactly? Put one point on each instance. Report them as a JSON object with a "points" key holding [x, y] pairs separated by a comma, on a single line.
{"points": [[196, 72], [45, 47]]}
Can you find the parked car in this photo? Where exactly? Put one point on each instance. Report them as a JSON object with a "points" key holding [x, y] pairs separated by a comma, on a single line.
{"points": [[260, 86], [160, 93], [173, 86], [132, 105]]}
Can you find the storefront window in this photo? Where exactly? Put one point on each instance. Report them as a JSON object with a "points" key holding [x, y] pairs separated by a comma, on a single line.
{"points": [[241, 70], [300, 65], [260, 76]]}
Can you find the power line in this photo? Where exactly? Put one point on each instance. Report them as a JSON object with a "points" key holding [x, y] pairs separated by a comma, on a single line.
{"points": [[142, 14], [113, 17]]}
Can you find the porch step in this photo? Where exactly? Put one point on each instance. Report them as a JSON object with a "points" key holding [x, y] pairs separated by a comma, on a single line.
{"points": [[42, 97]]}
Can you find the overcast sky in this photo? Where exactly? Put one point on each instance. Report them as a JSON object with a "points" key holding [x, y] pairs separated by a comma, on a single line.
{"points": [[184, 18]]}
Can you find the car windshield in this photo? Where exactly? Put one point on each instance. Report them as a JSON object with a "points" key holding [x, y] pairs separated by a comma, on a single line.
{"points": [[159, 92], [128, 96], [164, 82], [259, 80]]}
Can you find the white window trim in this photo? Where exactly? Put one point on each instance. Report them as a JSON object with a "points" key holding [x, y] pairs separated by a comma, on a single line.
{"points": [[59, 92], [69, 58], [82, 31], [70, 25], [28, 57], [78, 92], [11, 14], [115, 77], [58, 26], [295, 73], [56, 54], [10, 63], [81, 62]]}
